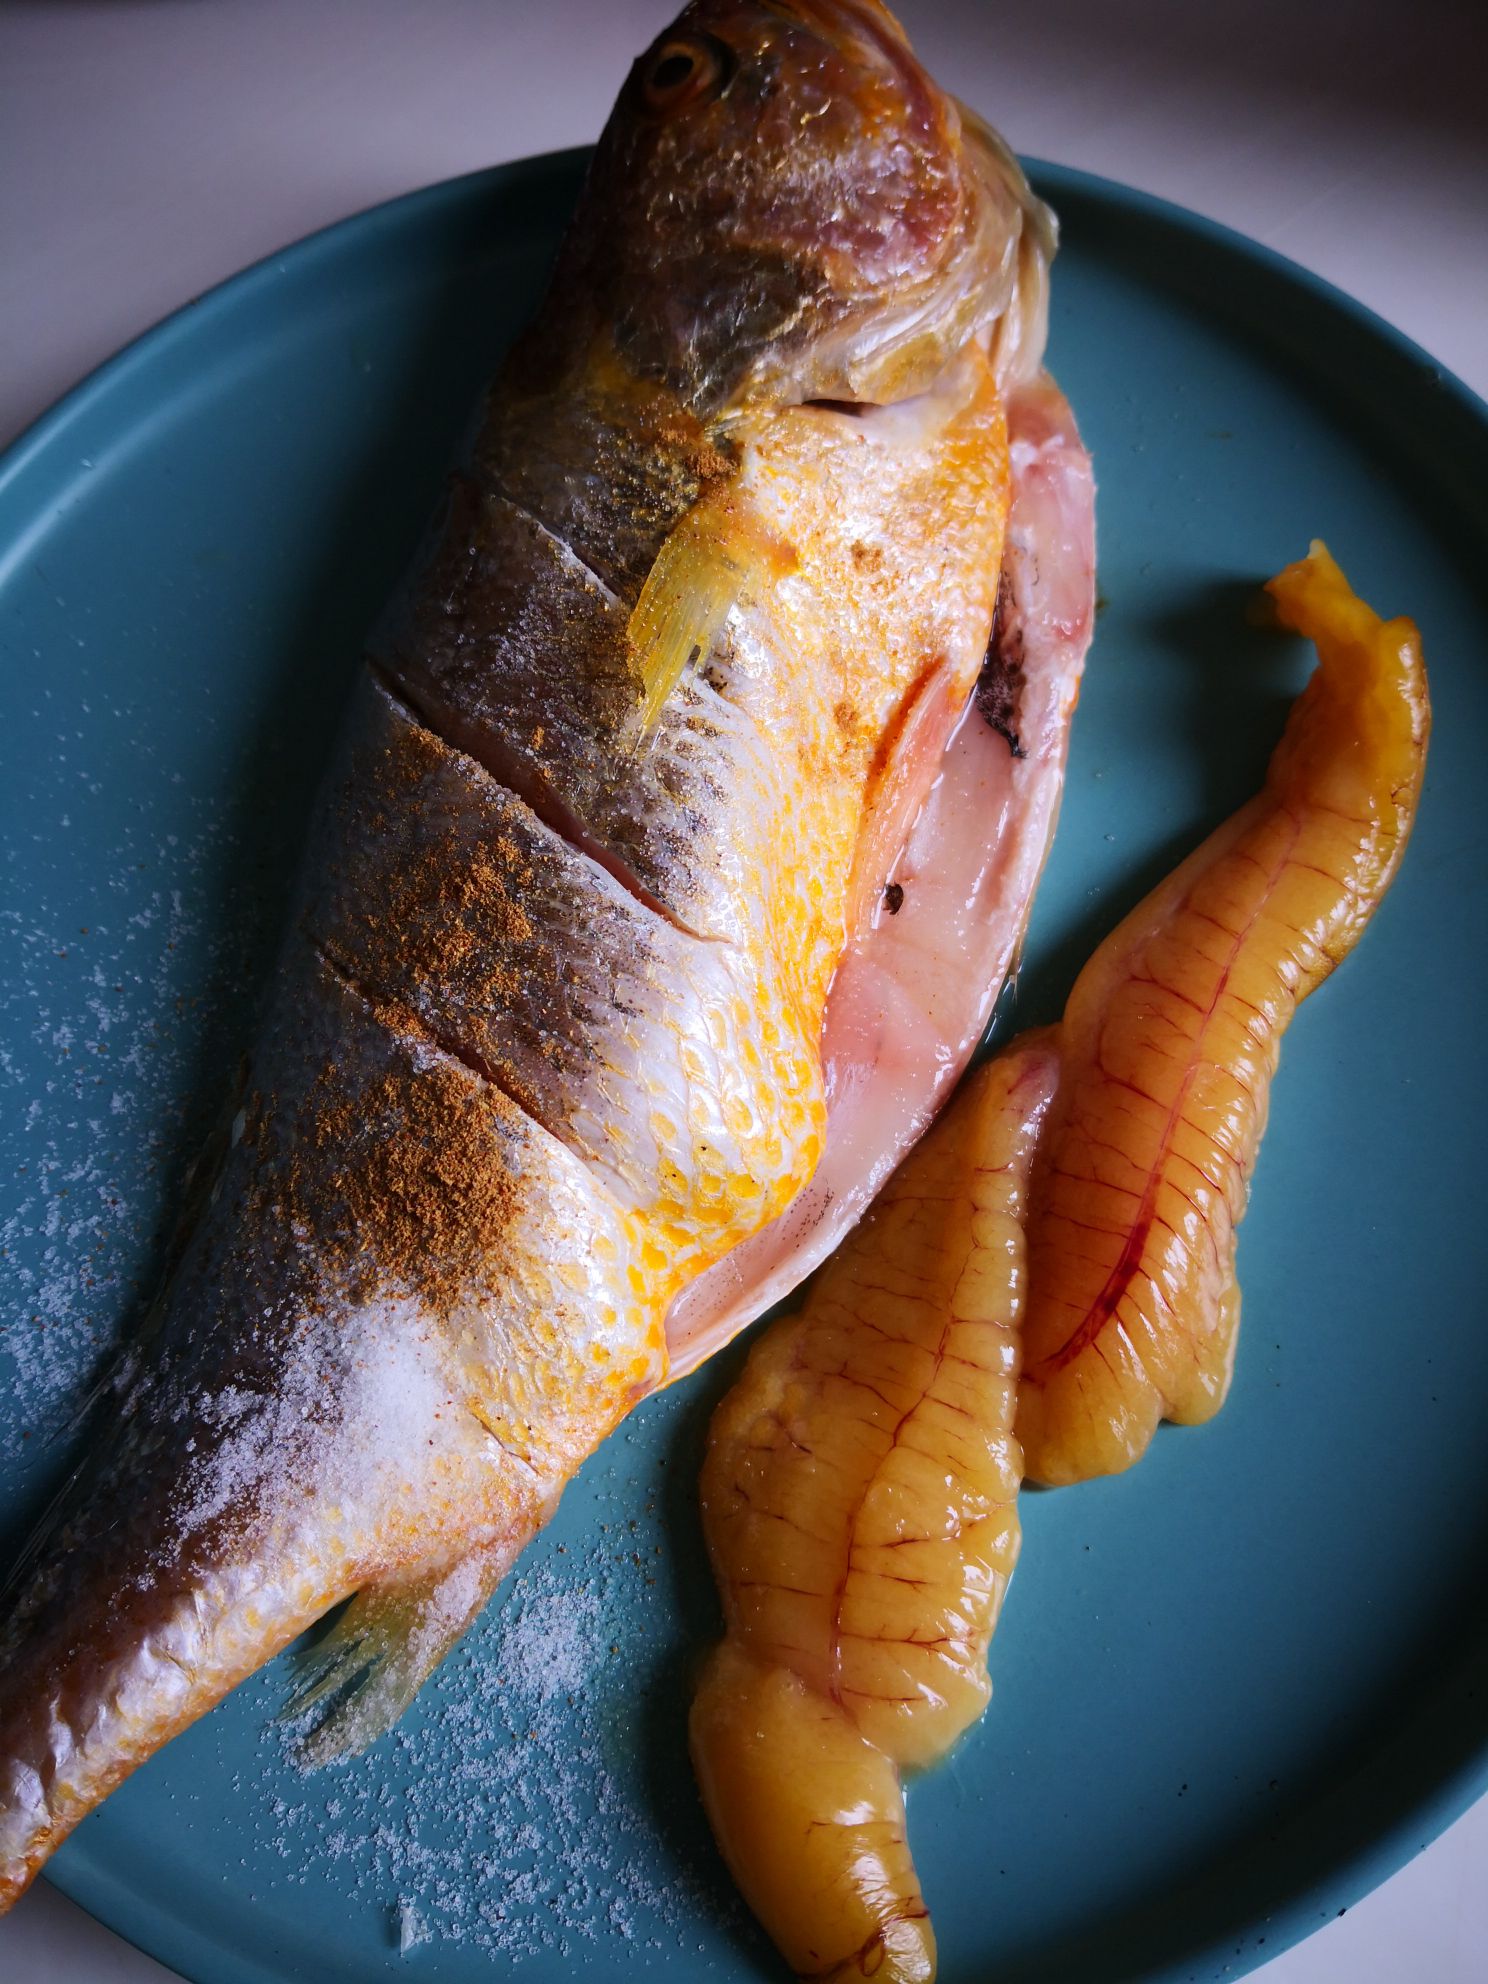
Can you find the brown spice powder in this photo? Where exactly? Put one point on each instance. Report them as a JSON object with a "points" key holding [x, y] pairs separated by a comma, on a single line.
{"points": [[402, 1182], [440, 898]]}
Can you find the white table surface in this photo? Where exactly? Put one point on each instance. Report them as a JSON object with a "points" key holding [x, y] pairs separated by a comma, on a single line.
{"points": [[149, 148]]}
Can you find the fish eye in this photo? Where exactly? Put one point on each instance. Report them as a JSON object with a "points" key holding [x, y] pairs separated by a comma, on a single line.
{"points": [[682, 69]]}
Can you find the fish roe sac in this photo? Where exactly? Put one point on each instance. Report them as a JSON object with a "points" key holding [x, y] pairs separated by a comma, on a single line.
{"points": [[1170, 1039], [860, 1504]]}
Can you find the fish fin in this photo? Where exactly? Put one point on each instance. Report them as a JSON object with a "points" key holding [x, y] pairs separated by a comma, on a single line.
{"points": [[358, 1678], [702, 570]]}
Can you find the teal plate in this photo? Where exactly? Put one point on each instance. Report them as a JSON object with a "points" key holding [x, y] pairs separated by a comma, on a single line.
{"points": [[1236, 1687]]}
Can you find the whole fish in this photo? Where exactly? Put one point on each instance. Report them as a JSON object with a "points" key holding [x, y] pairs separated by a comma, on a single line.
{"points": [[648, 777]]}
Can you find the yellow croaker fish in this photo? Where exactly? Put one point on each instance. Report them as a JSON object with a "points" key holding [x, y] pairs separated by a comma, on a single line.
{"points": [[1072, 1217], [681, 834]]}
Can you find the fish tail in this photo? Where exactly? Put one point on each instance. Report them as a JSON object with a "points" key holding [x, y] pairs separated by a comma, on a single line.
{"points": [[356, 1680]]}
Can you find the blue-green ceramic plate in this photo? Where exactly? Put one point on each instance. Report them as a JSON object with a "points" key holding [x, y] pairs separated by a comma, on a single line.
{"points": [[1234, 1688]]}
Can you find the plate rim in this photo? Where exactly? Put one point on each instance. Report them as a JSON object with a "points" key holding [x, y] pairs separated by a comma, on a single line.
{"points": [[50, 423], [1422, 1816]]}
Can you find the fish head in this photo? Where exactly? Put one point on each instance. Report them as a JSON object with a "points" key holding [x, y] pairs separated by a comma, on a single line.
{"points": [[784, 206]]}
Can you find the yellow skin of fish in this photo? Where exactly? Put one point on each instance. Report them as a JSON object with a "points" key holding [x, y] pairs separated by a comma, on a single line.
{"points": [[859, 1491], [617, 754]]}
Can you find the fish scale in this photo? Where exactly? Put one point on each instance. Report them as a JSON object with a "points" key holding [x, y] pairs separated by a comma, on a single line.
{"points": [[638, 1045]]}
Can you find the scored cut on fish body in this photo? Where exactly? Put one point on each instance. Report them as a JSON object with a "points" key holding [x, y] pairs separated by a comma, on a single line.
{"points": [[546, 1036], [894, 523]]}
